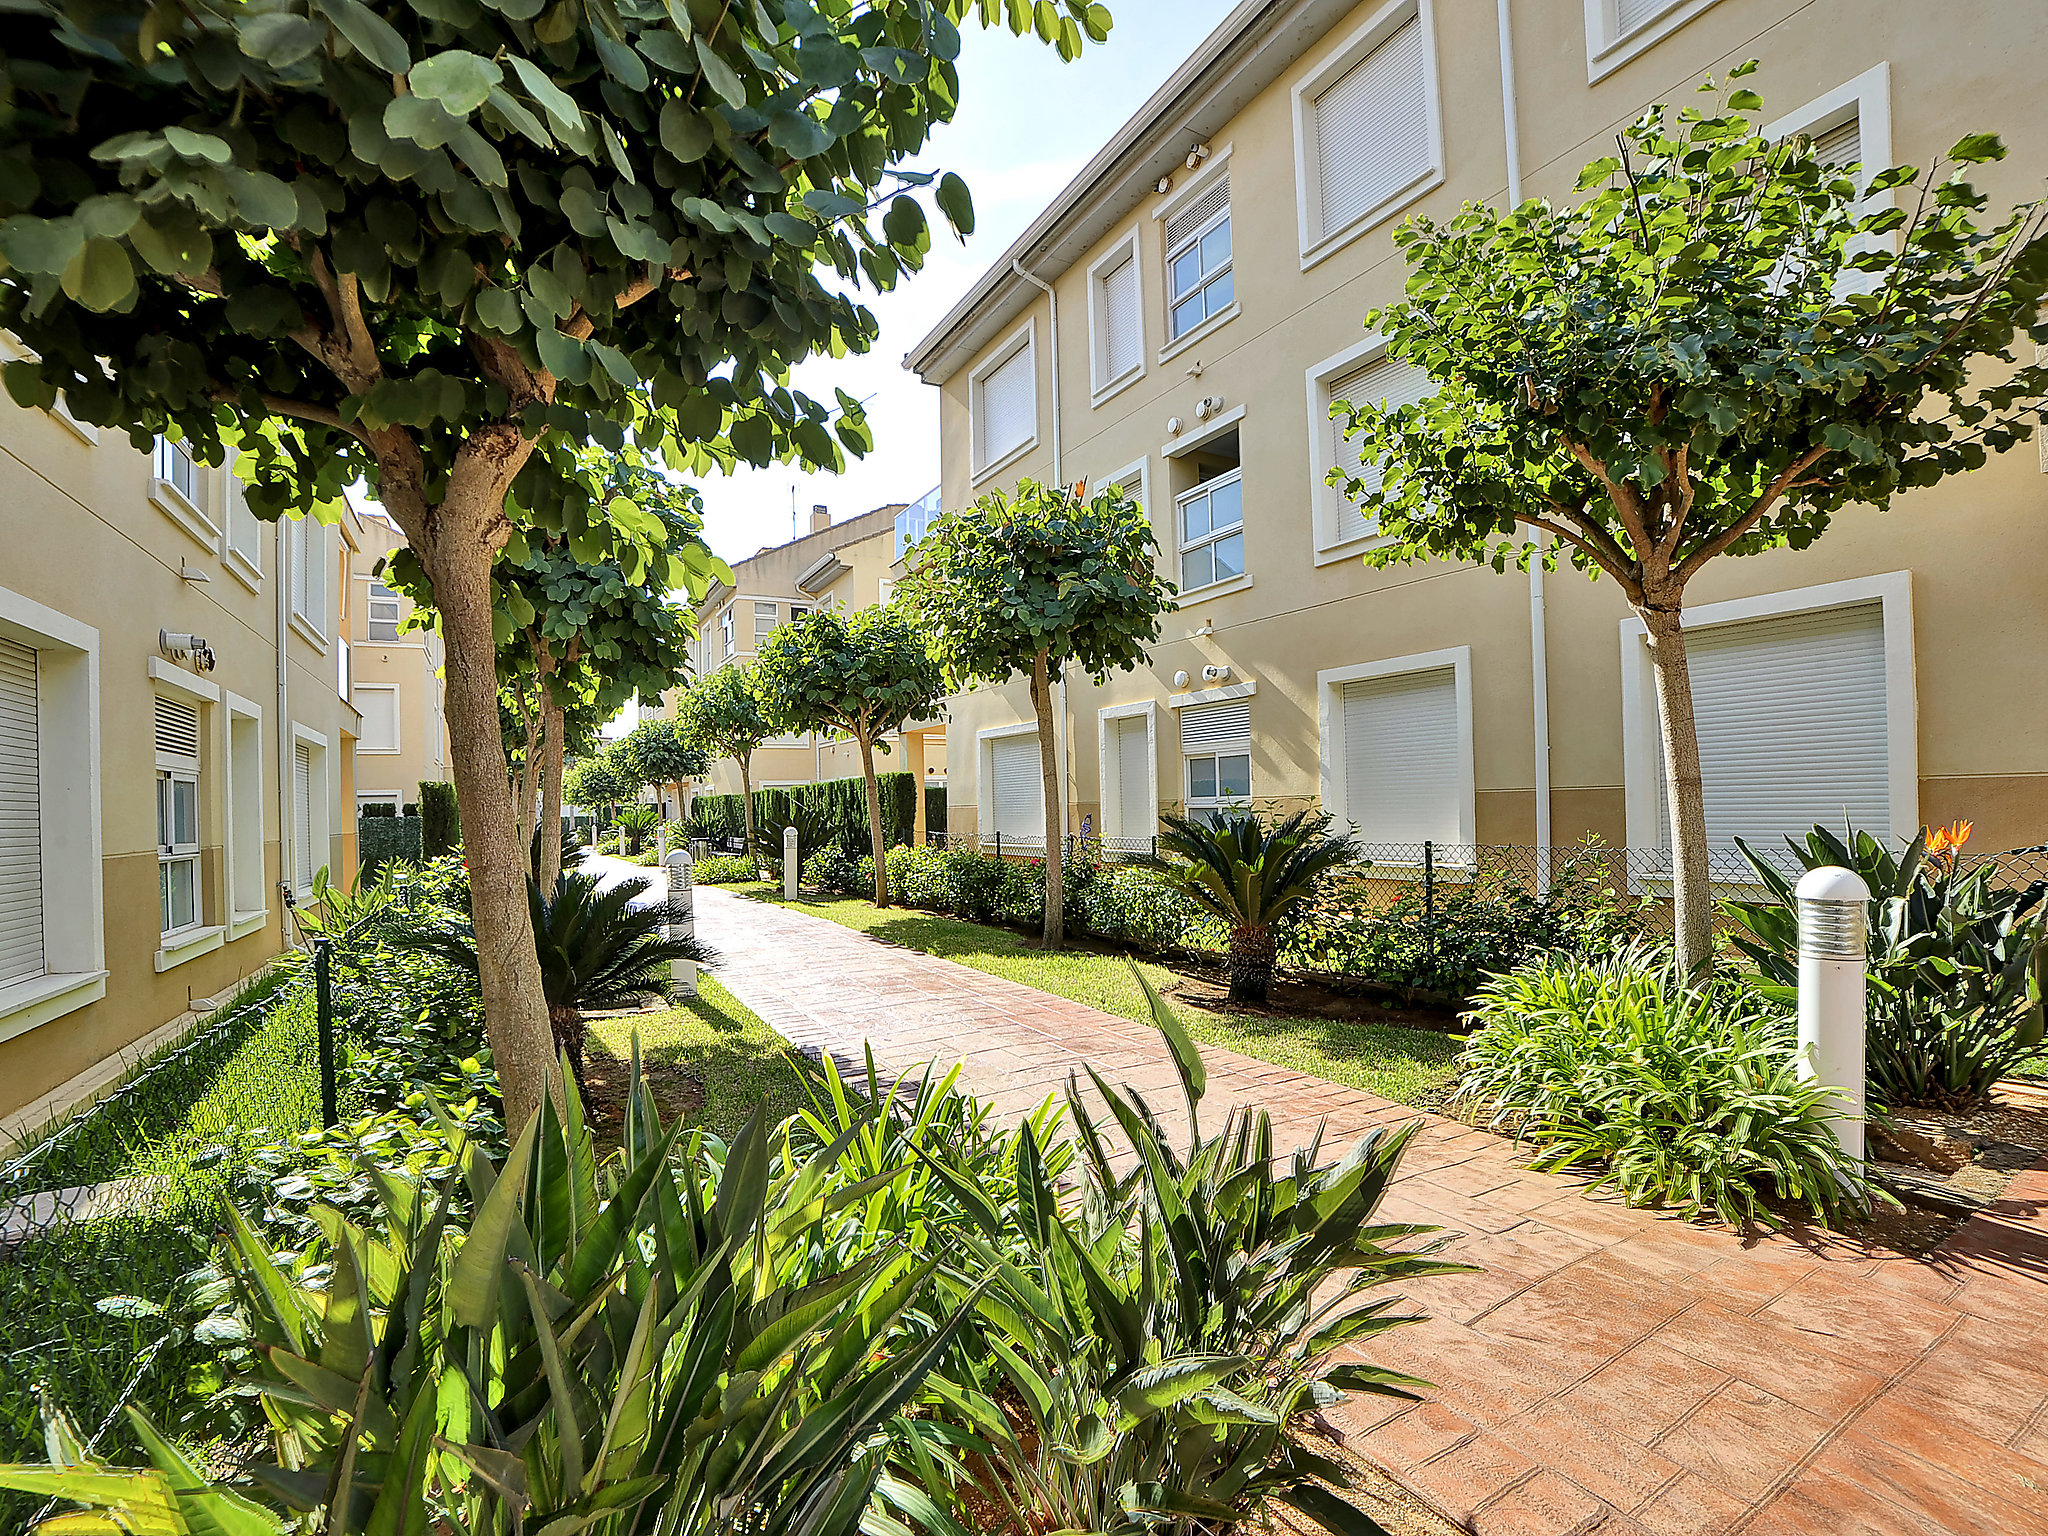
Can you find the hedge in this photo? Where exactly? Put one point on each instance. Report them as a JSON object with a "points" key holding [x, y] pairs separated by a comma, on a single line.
{"points": [[440, 821], [381, 839], [843, 801]]}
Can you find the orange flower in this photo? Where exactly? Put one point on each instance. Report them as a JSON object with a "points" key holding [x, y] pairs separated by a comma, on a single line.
{"points": [[1944, 843]]}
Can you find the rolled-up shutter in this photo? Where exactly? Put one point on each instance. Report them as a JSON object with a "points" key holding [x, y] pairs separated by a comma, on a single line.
{"points": [[302, 814], [177, 729], [1133, 778], [1630, 14], [1372, 129], [1216, 727], [1402, 778], [1383, 381], [1793, 727], [1122, 331], [1019, 789], [1009, 406], [21, 818]]}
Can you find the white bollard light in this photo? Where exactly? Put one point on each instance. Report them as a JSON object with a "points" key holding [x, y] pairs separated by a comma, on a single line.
{"points": [[1832, 958], [682, 918], [661, 845], [789, 869]]}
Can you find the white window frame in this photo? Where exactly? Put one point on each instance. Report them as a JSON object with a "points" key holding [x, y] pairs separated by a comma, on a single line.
{"points": [[1317, 244], [1108, 775], [1023, 339], [68, 789], [248, 888], [397, 725], [371, 599], [1330, 731], [1178, 702], [1867, 100], [985, 774], [1218, 164], [1642, 751], [1101, 386], [1327, 501], [311, 627], [1183, 546], [246, 566], [773, 616], [1607, 50], [185, 508], [319, 809], [178, 945], [728, 631]]}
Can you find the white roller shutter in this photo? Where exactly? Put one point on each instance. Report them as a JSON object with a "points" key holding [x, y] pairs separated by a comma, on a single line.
{"points": [[21, 818], [1019, 789], [379, 707], [1122, 338], [1385, 380], [1401, 774], [1841, 145], [302, 814], [1372, 129], [1009, 406], [1214, 199], [1216, 727], [177, 730], [1630, 14], [1133, 778], [1792, 725]]}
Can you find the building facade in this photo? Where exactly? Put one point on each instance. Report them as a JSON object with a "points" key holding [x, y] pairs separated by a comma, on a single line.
{"points": [[396, 684], [1209, 273], [163, 653], [849, 565]]}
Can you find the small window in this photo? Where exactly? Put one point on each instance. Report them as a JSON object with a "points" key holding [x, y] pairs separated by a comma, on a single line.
{"points": [[798, 611], [384, 612], [307, 543], [1215, 741], [1212, 532], [176, 468], [764, 622], [1384, 381], [1005, 404], [177, 814], [884, 590], [1198, 274], [725, 631], [1116, 320], [21, 815], [245, 528], [378, 705], [303, 861]]}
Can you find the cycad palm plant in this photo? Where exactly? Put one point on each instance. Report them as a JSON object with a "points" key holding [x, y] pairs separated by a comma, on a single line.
{"points": [[1249, 875]]}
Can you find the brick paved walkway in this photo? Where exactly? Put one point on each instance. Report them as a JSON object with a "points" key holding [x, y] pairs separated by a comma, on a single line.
{"points": [[1608, 1370]]}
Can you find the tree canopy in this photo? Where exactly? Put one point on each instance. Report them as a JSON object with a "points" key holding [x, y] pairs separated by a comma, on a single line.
{"points": [[722, 714], [661, 753], [1716, 350]]}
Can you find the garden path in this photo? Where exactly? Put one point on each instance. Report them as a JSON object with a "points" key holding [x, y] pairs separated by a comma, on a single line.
{"points": [[1607, 1369]]}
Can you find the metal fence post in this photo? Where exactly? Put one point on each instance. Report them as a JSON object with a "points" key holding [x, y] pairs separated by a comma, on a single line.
{"points": [[323, 1012], [1832, 983], [999, 844], [1429, 903]]}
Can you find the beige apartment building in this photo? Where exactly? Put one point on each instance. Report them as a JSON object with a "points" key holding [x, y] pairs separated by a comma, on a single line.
{"points": [[396, 682], [162, 653], [848, 565], [1208, 275]]}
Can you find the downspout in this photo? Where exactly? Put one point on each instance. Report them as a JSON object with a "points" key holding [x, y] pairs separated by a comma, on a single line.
{"points": [[1539, 655], [279, 571], [1052, 301]]}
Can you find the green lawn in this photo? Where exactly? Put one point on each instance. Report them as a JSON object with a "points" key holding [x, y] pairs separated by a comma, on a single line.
{"points": [[739, 1061], [1410, 1066]]}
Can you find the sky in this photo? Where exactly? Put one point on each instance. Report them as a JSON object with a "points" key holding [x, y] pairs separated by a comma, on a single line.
{"points": [[1026, 124]]}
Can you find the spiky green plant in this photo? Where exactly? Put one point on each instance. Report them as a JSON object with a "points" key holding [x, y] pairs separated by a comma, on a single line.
{"points": [[1249, 874], [636, 821]]}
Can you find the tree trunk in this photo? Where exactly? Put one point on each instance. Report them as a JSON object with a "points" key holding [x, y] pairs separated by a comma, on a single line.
{"points": [[456, 547], [1251, 963], [867, 768], [526, 783], [746, 760], [556, 722], [1691, 885], [1055, 808]]}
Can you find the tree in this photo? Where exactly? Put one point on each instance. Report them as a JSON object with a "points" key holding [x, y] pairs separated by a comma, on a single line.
{"points": [[1713, 354], [722, 714], [661, 753], [1032, 583], [595, 781], [863, 675], [435, 246]]}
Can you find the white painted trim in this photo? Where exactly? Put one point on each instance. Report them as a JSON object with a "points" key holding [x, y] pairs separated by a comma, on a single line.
{"points": [[174, 504], [1203, 432], [169, 678], [320, 811], [241, 920], [396, 748], [1149, 710], [984, 767], [309, 634], [1326, 501], [1221, 695], [1381, 25], [27, 1005], [1194, 597], [1100, 388], [239, 566], [1329, 687], [1606, 52], [242, 924], [1023, 339], [307, 734], [1642, 748], [1215, 322], [189, 945]]}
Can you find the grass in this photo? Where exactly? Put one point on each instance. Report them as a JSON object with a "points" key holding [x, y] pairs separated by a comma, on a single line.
{"points": [[1409, 1066], [740, 1062]]}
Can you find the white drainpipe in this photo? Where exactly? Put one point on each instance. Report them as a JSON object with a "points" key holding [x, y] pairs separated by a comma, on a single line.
{"points": [[286, 830]]}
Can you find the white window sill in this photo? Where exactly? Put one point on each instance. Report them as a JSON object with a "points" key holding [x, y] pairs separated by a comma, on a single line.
{"points": [[173, 504], [26, 1004], [1195, 597], [242, 924], [1006, 460], [1351, 550], [84, 431], [1215, 322], [308, 633], [1116, 386], [1381, 211], [189, 945], [243, 569]]}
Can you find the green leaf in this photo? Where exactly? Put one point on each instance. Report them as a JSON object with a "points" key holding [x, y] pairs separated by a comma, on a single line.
{"points": [[421, 119], [684, 134], [559, 105], [563, 356], [41, 247], [370, 34], [798, 134], [280, 39], [720, 75], [188, 145], [1975, 148], [479, 1266], [1335, 1515], [457, 79], [100, 276], [955, 203]]}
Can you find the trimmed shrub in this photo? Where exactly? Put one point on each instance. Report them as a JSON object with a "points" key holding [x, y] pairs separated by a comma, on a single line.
{"points": [[440, 819], [830, 869], [839, 808], [376, 808], [722, 869], [1130, 905], [382, 838]]}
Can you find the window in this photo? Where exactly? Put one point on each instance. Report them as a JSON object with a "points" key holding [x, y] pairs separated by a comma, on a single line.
{"points": [[21, 821], [1016, 804], [307, 544], [1003, 397], [177, 489], [1216, 743], [1130, 779], [176, 468], [915, 520], [726, 622], [1383, 381], [798, 611], [247, 897], [378, 705], [884, 590], [245, 535], [303, 861], [764, 622], [1399, 741], [1212, 531], [177, 814], [384, 612], [1618, 30], [1116, 328], [1851, 125], [1199, 284], [1366, 127]]}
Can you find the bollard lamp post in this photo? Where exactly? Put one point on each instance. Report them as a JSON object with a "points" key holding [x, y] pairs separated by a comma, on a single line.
{"points": [[1833, 913], [682, 918], [789, 869]]}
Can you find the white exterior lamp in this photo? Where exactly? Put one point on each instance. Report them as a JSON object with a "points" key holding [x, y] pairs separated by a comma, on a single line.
{"points": [[1832, 938]]}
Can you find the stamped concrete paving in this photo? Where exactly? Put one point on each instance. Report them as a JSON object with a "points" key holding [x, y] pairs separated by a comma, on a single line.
{"points": [[1608, 1370]]}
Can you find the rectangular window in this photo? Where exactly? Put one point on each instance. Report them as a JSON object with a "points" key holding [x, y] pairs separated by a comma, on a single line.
{"points": [[384, 612], [1131, 759], [304, 864], [1198, 275], [1384, 381], [764, 622], [798, 611], [245, 529], [1216, 743], [177, 814], [246, 894], [307, 545], [1018, 784], [1005, 401], [1399, 738], [176, 468], [1118, 322], [725, 631], [21, 820], [1371, 132], [1212, 532], [378, 705]]}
